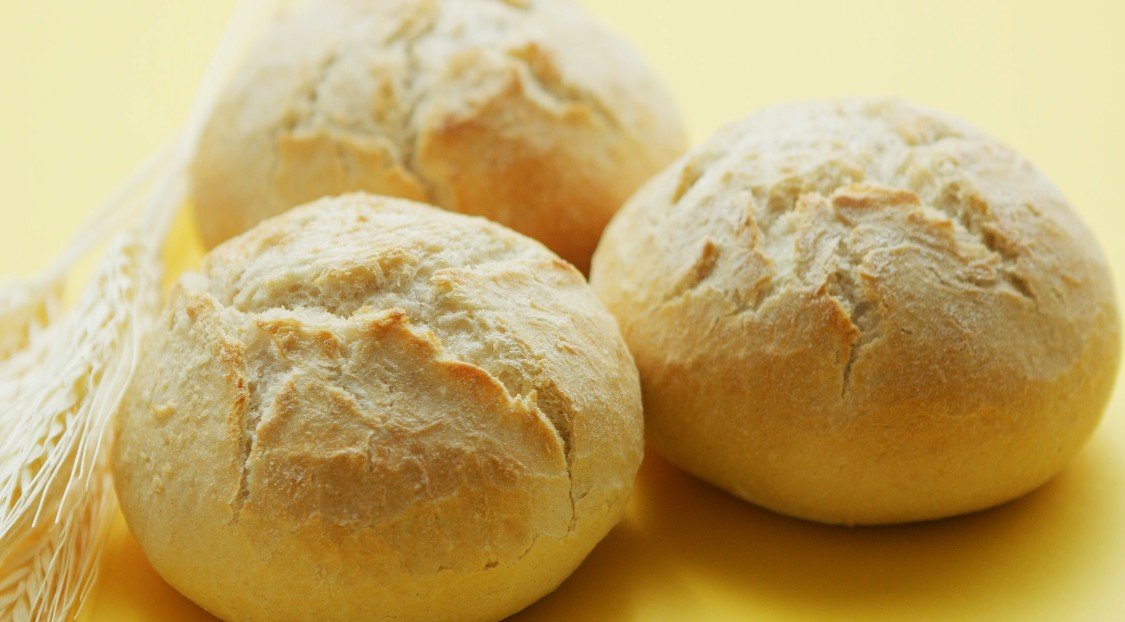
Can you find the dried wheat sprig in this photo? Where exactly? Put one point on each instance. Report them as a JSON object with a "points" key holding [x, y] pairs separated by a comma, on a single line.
{"points": [[53, 483], [62, 375]]}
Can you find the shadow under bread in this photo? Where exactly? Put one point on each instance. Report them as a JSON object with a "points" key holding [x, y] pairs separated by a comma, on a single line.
{"points": [[1017, 557], [681, 533]]}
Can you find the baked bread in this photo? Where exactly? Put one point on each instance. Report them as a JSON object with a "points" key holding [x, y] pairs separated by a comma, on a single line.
{"points": [[862, 312], [524, 111], [368, 409]]}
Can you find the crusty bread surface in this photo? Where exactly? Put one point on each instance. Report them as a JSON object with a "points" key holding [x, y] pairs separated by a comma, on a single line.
{"points": [[526, 112], [862, 312], [370, 409]]}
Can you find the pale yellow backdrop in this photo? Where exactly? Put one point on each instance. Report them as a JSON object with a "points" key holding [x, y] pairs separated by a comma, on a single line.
{"points": [[88, 88]]}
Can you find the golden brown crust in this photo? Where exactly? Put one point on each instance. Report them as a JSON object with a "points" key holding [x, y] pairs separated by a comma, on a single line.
{"points": [[862, 312], [363, 410], [528, 113]]}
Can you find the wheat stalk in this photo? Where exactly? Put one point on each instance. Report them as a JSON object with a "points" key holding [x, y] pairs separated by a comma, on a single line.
{"points": [[63, 372]]}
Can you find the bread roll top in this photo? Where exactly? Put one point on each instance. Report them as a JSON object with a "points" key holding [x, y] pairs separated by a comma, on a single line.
{"points": [[528, 113], [878, 303], [368, 391]]}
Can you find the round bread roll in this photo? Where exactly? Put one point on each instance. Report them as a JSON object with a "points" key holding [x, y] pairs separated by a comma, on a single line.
{"points": [[862, 312], [368, 409], [524, 111]]}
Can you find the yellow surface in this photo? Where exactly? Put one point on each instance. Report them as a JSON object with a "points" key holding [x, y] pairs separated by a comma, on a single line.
{"points": [[89, 88]]}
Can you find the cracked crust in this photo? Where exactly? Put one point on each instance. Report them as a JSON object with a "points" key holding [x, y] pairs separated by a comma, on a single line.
{"points": [[528, 113], [372, 409], [862, 312]]}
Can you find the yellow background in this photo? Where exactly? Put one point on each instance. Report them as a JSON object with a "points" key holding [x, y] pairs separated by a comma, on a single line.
{"points": [[87, 89]]}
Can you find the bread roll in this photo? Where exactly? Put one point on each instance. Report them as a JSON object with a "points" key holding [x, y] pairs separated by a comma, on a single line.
{"points": [[524, 111], [368, 409], [862, 312]]}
